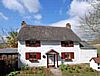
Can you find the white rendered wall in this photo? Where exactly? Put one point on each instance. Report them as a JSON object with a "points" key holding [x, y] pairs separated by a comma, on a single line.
{"points": [[80, 55], [94, 65], [87, 54]]}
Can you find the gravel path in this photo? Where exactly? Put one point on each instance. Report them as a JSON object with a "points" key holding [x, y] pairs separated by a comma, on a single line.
{"points": [[56, 71]]}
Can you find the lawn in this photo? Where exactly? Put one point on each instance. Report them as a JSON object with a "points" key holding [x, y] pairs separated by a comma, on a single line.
{"points": [[78, 70], [34, 71]]}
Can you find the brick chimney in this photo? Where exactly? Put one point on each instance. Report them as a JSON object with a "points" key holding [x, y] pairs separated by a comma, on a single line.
{"points": [[68, 25], [23, 24]]}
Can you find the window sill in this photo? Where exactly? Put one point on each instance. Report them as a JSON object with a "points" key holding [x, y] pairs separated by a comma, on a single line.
{"points": [[33, 60], [67, 59]]}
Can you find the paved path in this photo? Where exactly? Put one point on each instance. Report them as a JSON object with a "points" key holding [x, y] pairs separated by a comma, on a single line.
{"points": [[56, 71]]}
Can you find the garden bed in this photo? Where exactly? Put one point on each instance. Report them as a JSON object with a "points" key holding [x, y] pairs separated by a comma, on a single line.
{"points": [[78, 70], [34, 71]]}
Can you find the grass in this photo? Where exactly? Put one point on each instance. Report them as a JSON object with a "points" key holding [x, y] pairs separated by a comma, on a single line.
{"points": [[78, 70], [34, 71]]}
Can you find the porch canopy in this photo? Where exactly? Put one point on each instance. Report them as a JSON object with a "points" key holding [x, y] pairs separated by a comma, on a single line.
{"points": [[55, 56], [52, 52]]}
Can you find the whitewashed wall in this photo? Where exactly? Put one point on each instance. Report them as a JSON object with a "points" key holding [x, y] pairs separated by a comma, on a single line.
{"points": [[94, 65], [80, 55], [87, 54]]}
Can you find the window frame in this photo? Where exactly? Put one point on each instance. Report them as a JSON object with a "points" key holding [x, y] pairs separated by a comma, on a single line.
{"points": [[67, 43], [98, 67], [33, 43], [33, 55], [98, 64], [67, 56], [71, 55]]}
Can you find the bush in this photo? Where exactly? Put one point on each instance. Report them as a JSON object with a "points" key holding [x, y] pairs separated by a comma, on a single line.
{"points": [[70, 69], [64, 67], [77, 70], [13, 73], [91, 70]]}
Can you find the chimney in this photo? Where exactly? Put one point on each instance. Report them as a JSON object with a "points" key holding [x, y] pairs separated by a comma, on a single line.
{"points": [[23, 24], [68, 25]]}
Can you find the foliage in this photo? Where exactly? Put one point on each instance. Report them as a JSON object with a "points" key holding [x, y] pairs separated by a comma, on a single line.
{"points": [[13, 73], [12, 39], [70, 69], [90, 21], [77, 70], [2, 46], [31, 71]]}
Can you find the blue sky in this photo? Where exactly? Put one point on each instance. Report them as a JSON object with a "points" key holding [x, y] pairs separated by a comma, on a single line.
{"points": [[39, 12]]}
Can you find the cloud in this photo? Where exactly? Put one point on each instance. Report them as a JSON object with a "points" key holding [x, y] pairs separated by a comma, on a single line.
{"points": [[3, 16], [77, 8], [22, 6], [32, 5], [27, 17], [25, 7], [37, 18], [73, 21], [13, 5]]}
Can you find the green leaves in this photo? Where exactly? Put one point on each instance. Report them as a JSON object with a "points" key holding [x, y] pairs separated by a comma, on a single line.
{"points": [[12, 39]]}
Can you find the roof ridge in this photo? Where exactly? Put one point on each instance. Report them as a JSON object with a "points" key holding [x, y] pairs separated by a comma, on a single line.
{"points": [[44, 26]]}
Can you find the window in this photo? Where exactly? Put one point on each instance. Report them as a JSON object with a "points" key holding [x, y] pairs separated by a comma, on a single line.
{"points": [[67, 55], [98, 67], [98, 64], [33, 55], [32, 43], [67, 43]]}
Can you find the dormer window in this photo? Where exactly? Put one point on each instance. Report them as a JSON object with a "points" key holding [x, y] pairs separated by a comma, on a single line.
{"points": [[32, 43], [67, 43]]}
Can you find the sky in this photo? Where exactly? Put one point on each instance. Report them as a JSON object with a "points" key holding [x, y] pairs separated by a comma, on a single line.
{"points": [[41, 12]]}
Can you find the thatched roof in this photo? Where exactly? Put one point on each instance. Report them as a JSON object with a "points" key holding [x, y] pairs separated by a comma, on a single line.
{"points": [[47, 33]]}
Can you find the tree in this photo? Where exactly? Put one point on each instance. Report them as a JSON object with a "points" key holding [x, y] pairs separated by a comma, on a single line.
{"points": [[12, 39], [91, 20]]}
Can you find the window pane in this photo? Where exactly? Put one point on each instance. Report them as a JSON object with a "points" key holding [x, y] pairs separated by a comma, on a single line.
{"points": [[33, 43], [67, 43], [67, 56]]}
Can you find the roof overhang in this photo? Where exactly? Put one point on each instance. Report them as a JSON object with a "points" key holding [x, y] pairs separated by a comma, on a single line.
{"points": [[52, 52]]}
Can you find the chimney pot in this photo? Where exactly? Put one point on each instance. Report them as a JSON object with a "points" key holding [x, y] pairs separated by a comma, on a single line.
{"points": [[23, 24], [68, 25]]}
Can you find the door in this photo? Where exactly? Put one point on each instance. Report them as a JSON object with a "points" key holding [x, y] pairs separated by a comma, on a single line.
{"points": [[51, 60]]}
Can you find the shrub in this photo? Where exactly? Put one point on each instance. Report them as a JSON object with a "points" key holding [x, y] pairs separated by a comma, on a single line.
{"points": [[62, 67], [13, 73], [70, 70], [91, 70], [77, 70]]}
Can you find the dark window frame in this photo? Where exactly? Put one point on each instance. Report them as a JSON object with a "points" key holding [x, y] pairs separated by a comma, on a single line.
{"points": [[98, 64], [33, 43], [98, 67], [67, 43], [67, 55], [33, 55]]}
